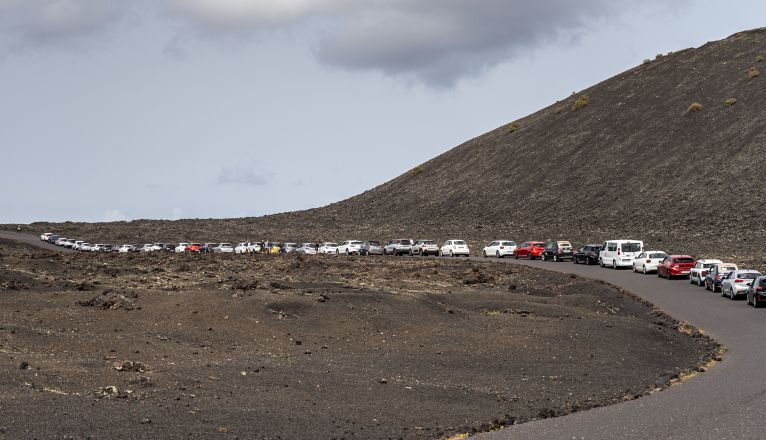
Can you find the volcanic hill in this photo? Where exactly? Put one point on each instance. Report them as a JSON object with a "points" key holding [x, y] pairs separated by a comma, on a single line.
{"points": [[672, 151]]}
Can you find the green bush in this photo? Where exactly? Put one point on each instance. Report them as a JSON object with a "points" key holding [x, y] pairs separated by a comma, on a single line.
{"points": [[417, 170], [729, 102], [753, 72], [759, 58], [513, 126]]}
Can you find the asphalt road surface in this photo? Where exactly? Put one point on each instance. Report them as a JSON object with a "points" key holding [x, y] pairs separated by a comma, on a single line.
{"points": [[34, 240], [727, 402]]}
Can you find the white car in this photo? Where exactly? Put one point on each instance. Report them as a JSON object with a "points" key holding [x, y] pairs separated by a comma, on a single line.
{"points": [[306, 249], [60, 241], [69, 242], [454, 248], [424, 247], [181, 248], [124, 249], [736, 282], [700, 269], [289, 247], [46, 236], [328, 248], [149, 247], [242, 248], [254, 248], [499, 249], [86, 247], [76, 245], [223, 248], [648, 261], [349, 247], [620, 253], [98, 247]]}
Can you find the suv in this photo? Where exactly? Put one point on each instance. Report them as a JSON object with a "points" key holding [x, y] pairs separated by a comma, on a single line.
{"points": [[558, 251], [425, 247], [371, 247], [400, 246], [587, 254], [700, 269]]}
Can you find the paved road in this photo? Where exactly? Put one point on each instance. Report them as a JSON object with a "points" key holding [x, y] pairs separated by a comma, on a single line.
{"points": [[725, 403], [34, 240]]}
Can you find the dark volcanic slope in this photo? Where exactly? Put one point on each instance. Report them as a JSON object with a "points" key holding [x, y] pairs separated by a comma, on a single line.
{"points": [[632, 162]]}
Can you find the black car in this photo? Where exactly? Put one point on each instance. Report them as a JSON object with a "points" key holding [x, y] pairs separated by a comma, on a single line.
{"points": [[587, 254], [208, 248], [716, 274], [557, 251], [756, 293], [168, 247]]}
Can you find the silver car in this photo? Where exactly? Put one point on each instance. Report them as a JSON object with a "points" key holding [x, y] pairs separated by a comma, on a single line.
{"points": [[371, 247], [400, 246], [424, 247], [736, 282]]}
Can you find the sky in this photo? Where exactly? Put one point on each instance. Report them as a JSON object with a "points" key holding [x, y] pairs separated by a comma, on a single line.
{"points": [[167, 109]]}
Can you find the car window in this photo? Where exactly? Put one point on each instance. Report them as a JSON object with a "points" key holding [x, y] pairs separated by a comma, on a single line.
{"points": [[508, 243], [631, 247], [748, 276], [641, 255], [684, 260], [459, 242], [611, 247]]}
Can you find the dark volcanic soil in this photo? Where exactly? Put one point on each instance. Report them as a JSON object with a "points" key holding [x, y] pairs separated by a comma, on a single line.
{"points": [[158, 345]]}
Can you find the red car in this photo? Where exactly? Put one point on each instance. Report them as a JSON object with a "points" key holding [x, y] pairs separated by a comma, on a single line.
{"points": [[194, 247], [530, 250], [675, 266]]}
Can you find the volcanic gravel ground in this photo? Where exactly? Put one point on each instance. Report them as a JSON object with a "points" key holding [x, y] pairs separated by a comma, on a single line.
{"points": [[256, 346]]}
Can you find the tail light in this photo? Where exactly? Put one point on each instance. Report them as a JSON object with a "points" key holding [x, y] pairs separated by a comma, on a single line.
{"points": [[648, 261], [502, 247], [618, 251], [739, 281], [760, 288]]}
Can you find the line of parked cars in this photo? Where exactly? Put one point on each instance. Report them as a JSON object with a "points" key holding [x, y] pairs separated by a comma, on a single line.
{"points": [[714, 275]]}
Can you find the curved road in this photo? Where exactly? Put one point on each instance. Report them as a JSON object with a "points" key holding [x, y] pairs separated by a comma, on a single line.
{"points": [[725, 403], [33, 240]]}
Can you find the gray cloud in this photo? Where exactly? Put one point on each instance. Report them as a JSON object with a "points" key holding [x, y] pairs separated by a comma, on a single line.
{"points": [[245, 174], [26, 23], [437, 42]]}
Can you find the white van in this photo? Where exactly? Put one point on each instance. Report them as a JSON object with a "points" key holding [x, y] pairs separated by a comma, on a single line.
{"points": [[620, 253]]}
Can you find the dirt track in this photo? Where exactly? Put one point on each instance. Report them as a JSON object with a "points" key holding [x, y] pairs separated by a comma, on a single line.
{"points": [[292, 347]]}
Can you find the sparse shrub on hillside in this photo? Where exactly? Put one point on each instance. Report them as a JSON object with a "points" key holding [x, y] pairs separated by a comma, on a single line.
{"points": [[647, 61], [559, 109], [729, 102], [759, 58], [694, 107], [753, 72], [581, 102], [417, 170], [659, 56], [513, 126]]}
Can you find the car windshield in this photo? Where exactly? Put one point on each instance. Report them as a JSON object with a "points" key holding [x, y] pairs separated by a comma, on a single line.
{"points": [[508, 243], [429, 242], [631, 247], [707, 265], [728, 268], [356, 242], [458, 242], [374, 243], [331, 245], [658, 255], [748, 276], [683, 260]]}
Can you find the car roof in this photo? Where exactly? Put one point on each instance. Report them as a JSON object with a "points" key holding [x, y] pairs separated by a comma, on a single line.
{"points": [[708, 260]]}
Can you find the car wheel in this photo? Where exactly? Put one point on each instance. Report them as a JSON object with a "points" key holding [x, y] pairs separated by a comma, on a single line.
{"points": [[614, 264], [755, 303], [529, 256], [555, 259], [542, 256], [497, 254], [515, 256], [723, 293], [451, 254], [601, 263], [574, 260], [347, 252], [484, 253]]}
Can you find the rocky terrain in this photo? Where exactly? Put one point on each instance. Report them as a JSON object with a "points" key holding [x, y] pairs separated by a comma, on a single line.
{"points": [[670, 151], [164, 345]]}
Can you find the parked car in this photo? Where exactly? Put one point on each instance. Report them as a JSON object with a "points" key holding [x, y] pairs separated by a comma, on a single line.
{"points": [[400, 246], [557, 251], [194, 248], [53, 239], [76, 245], [208, 248], [756, 292], [125, 248], [46, 236], [60, 241], [675, 266], [224, 248], [499, 249], [69, 242], [736, 282], [587, 254], [371, 247], [136, 247], [288, 247], [107, 248], [648, 261], [349, 247], [254, 248], [150, 247], [529, 250], [715, 275], [454, 248], [181, 248], [86, 247], [620, 253], [242, 248], [700, 269], [307, 249], [424, 247]]}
